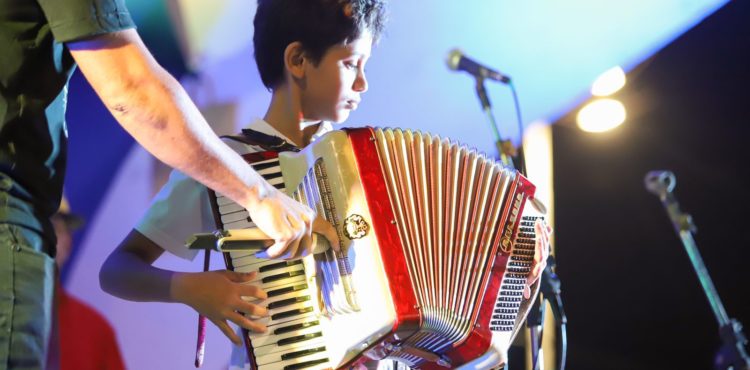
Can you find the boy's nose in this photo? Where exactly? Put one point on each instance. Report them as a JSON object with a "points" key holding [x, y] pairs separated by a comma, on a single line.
{"points": [[360, 84]]}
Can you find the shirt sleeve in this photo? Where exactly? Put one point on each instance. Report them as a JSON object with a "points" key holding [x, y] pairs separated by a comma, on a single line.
{"points": [[71, 20], [179, 210]]}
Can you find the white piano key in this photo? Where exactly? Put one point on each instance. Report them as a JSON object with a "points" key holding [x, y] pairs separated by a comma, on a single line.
{"points": [[307, 318], [296, 290], [222, 200], [296, 270], [248, 263], [269, 354], [282, 365], [262, 340], [230, 208], [303, 310], [241, 224], [270, 160], [269, 171], [275, 284], [285, 309], [239, 254], [248, 259], [234, 217], [276, 181]]}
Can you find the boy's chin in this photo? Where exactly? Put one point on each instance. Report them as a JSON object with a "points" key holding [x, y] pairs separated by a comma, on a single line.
{"points": [[340, 117]]}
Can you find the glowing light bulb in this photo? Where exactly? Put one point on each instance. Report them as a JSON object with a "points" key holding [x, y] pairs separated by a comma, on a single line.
{"points": [[608, 82], [601, 115]]}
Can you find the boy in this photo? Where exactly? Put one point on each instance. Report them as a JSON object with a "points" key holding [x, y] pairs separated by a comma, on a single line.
{"points": [[311, 54]]}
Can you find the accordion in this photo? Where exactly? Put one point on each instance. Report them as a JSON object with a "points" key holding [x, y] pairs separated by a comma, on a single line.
{"points": [[436, 244]]}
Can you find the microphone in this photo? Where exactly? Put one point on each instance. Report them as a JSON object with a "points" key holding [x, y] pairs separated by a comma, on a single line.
{"points": [[457, 61]]}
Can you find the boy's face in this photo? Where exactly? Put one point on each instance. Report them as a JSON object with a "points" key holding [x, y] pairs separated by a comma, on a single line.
{"points": [[334, 87]]}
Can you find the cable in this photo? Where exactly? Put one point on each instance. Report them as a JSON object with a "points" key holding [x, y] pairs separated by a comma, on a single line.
{"points": [[519, 121]]}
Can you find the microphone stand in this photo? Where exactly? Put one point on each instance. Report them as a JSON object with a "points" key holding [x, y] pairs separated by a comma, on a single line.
{"points": [[549, 281], [504, 147], [732, 353], [549, 290]]}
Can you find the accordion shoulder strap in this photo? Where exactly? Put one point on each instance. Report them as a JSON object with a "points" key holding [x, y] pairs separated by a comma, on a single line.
{"points": [[265, 141]]}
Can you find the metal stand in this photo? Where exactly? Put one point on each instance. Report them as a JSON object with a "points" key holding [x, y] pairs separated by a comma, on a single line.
{"points": [[549, 292], [732, 354], [505, 148], [550, 283]]}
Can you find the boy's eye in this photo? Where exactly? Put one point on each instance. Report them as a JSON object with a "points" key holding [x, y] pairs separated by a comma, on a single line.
{"points": [[350, 65]]}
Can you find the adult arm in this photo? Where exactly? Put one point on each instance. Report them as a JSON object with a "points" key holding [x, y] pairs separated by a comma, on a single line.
{"points": [[152, 106]]}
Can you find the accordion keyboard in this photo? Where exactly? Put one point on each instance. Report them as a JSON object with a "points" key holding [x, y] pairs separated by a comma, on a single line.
{"points": [[295, 337]]}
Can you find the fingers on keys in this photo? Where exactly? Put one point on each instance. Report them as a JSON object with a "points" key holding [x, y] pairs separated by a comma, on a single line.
{"points": [[543, 231], [227, 330]]}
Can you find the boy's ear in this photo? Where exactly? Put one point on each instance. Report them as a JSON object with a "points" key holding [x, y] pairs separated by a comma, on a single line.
{"points": [[294, 59]]}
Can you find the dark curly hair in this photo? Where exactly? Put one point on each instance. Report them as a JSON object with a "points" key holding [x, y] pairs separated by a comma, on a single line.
{"points": [[316, 24]]}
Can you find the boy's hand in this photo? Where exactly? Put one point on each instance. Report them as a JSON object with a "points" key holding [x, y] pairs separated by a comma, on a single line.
{"points": [[290, 224], [541, 253], [217, 295]]}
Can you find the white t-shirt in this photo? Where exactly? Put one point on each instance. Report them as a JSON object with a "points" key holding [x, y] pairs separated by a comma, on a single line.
{"points": [[182, 208]]}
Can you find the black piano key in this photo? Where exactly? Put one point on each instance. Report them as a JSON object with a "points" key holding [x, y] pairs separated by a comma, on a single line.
{"points": [[288, 301], [263, 166], [305, 352], [285, 290], [286, 275], [270, 176], [279, 265], [298, 338], [306, 364], [290, 313], [295, 327]]}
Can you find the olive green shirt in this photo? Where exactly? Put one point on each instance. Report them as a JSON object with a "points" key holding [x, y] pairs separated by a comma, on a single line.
{"points": [[35, 66]]}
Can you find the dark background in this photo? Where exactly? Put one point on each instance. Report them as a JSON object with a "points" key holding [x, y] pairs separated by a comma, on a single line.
{"points": [[632, 298]]}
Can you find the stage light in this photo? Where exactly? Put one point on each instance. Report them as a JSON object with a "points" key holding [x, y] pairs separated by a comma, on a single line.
{"points": [[608, 82], [601, 115]]}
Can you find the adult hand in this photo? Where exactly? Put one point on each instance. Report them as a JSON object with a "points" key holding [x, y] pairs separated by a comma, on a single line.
{"points": [[290, 224]]}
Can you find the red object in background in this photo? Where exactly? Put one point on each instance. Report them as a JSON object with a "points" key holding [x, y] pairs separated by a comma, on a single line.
{"points": [[87, 340]]}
